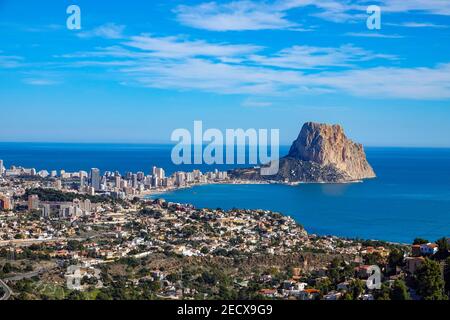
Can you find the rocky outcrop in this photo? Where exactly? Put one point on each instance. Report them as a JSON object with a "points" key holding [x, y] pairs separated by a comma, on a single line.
{"points": [[328, 145], [321, 153]]}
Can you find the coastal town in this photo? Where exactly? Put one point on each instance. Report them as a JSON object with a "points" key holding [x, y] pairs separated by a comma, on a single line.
{"points": [[100, 236]]}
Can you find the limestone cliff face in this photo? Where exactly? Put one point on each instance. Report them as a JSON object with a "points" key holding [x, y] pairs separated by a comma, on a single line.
{"points": [[328, 145], [321, 153]]}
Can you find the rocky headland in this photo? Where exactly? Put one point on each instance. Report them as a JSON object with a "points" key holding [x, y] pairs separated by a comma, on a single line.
{"points": [[321, 153]]}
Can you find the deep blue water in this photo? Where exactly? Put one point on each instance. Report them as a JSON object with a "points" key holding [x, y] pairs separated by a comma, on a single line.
{"points": [[410, 197], [74, 157]]}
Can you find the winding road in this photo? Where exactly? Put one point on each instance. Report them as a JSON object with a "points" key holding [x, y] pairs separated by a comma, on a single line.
{"points": [[27, 275], [7, 291], [18, 277]]}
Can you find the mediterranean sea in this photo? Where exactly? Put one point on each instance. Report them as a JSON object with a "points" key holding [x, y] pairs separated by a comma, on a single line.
{"points": [[409, 198]]}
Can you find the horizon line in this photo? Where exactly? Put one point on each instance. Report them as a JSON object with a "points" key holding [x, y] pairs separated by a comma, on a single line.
{"points": [[174, 143]]}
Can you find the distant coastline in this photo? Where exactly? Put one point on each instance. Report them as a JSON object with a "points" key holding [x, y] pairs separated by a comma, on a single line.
{"points": [[147, 193], [409, 183]]}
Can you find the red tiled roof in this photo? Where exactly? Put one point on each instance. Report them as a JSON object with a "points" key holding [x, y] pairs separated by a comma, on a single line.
{"points": [[268, 291], [312, 291]]}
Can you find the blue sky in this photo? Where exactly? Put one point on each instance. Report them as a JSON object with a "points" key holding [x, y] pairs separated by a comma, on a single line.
{"points": [[137, 70]]}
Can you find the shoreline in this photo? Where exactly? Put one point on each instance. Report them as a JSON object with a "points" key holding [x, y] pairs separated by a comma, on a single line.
{"points": [[146, 193], [298, 222], [151, 196]]}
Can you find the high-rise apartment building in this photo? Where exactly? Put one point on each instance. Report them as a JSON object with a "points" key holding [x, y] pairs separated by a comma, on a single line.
{"points": [[33, 202], [95, 179]]}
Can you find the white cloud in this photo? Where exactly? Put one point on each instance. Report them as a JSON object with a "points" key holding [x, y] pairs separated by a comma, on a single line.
{"points": [[44, 28], [197, 74], [40, 82], [416, 25], [233, 16], [98, 63], [307, 57], [263, 15], [438, 7], [177, 47], [373, 35], [108, 31], [200, 74], [115, 51], [181, 63], [10, 61], [147, 46], [404, 83]]}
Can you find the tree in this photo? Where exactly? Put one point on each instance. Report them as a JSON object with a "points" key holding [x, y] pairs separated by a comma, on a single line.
{"points": [[7, 268], [324, 286], [373, 259], [357, 288], [103, 295], [420, 241], [400, 291], [74, 245], [384, 293], [204, 250], [443, 248], [76, 295], [333, 271], [395, 258], [430, 283], [347, 296], [447, 276], [226, 292]]}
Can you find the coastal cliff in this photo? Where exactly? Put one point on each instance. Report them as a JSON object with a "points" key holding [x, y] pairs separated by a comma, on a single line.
{"points": [[321, 153]]}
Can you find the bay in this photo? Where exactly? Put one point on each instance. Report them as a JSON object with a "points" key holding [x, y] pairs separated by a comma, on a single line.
{"points": [[409, 198]]}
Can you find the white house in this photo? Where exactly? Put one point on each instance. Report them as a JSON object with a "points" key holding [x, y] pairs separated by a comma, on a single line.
{"points": [[429, 248]]}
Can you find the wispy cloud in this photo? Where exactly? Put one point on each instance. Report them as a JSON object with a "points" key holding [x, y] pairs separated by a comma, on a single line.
{"points": [[437, 7], [178, 47], [234, 16], [183, 63], [416, 25], [263, 15], [40, 82], [204, 75], [10, 61], [44, 28], [308, 57], [253, 103], [405, 83], [202, 68], [108, 31], [373, 35]]}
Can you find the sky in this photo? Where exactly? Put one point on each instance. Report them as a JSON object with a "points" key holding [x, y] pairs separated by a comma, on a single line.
{"points": [[137, 70]]}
